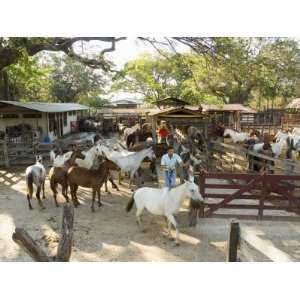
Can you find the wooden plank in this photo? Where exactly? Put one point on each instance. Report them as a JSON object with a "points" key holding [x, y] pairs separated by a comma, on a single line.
{"points": [[264, 246], [232, 243], [251, 206], [246, 251], [25, 241]]}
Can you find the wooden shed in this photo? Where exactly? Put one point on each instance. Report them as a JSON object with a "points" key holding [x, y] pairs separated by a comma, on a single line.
{"points": [[52, 120], [232, 115], [180, 117]]}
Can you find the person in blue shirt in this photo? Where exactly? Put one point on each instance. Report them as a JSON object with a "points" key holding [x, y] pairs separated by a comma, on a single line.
{"points": [[169, 161]]}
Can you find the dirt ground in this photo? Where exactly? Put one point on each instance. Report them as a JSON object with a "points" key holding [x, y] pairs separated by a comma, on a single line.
{"points": [[111, 234]]}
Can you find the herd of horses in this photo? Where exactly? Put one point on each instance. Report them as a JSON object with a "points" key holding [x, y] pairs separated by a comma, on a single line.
{"points": [[93, 168]]}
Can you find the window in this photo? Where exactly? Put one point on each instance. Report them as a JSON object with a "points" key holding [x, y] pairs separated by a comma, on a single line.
{"points": [[32, 116], [9, 116], [65, 119], [70, 113]]}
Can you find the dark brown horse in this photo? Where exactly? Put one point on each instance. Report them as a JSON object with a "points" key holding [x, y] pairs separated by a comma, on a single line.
{"points": [[78, 176], [58, 175]]}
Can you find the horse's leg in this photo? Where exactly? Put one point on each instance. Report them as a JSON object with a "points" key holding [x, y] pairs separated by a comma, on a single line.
{"points": [[53, 186], [120, 177], [113, 184], [99, 196], [93, 200], [172, 221], [72, 191], [139, 211], [169, 229], [29, 197], [38, 196], [106, 189], [75, 194], [44, 189], [65, 191]]}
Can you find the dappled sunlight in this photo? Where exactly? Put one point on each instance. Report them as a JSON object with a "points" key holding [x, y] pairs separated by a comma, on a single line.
{"points": [[153, 253], [8, 249]]}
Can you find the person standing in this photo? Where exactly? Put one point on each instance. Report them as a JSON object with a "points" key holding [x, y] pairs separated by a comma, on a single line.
{"points": [[163, 132], [169, 161]]}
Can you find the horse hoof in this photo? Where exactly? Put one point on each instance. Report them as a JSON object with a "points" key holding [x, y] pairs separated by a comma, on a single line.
{"points": [[100, 204], [144, 230], [171, 238], [177, 244], [30, 208], [57, 205], [93, 210], [43, 207]]}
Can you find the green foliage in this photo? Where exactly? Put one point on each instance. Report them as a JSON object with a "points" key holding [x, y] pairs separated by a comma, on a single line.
{"points": [[28, 80], [240, 70], [71, 81]]}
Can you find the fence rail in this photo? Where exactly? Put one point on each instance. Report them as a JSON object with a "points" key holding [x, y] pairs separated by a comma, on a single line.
{"points": [[234, 158], [248, 191]]}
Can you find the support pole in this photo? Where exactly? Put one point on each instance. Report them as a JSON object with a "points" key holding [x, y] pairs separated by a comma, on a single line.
{"points": [[233, 240]]}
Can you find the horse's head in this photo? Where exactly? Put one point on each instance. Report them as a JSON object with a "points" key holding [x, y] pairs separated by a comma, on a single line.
{"points": [[112, 165], [78, 154], [193, 191], [227, 133], [150, 153], [39, 159]]}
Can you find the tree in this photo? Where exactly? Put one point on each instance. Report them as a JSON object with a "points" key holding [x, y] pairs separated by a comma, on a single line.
{"points": [[12, 50], [28, 80], [71, 81], [234, 70]]}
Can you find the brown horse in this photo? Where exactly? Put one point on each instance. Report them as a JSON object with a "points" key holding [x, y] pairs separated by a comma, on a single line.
{"points": [[78, 176], [58, 175]]}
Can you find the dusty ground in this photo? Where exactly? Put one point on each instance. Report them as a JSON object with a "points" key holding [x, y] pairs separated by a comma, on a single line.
{"points": [[111, 234]]}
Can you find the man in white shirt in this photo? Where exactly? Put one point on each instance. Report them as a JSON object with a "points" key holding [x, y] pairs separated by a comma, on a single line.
{"points": [[168, 163]]}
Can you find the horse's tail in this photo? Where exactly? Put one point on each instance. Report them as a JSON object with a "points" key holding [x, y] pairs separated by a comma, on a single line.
{"points": [[29, 181], [130, 203]]}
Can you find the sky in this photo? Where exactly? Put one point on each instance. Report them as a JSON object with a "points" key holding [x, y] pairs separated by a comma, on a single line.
{"points": [[126, 50]]}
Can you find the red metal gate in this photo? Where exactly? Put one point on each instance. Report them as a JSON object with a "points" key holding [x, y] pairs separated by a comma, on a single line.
{"points": [[269, 191]]}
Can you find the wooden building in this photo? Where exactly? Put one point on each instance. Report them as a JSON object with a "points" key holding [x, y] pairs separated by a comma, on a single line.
{"points": [[232, 115], [51, 120], [180, 118]]}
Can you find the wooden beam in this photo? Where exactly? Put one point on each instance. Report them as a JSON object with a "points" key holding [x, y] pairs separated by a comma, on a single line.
{"points": [[264, 246], [25, 241]]}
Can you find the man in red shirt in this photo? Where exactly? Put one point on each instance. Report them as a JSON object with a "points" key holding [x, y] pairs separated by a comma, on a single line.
{"points": [[163, 132]]}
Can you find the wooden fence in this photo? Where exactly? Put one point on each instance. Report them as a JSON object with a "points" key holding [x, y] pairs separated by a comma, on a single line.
{"points": [[248, 191], [234, 158], [242, 241]]}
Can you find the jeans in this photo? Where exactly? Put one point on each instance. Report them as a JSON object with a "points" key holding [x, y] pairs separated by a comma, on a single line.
{"points": [[170, 178]]}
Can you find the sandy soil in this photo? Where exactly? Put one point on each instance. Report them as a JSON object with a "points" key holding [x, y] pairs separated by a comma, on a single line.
{"points": [[111, 234]]}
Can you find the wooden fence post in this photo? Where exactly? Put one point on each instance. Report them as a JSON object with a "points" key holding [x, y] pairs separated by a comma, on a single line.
{"points": [[262, 197], [233, 241]]}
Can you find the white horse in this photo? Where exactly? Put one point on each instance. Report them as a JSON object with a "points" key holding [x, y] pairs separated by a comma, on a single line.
{"points": [[130, 162], [163, 202], [236, 136], [36, 174], [87, 163]]}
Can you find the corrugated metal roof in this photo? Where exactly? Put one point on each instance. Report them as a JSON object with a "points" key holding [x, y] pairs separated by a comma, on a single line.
{"points": [[47, 107], [228, 107], [294, 104]]}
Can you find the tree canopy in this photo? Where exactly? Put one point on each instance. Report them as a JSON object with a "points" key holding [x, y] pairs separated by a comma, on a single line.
{"points": [[225, 70]]}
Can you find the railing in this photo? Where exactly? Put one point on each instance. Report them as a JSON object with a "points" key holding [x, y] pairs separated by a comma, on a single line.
{"points": [[234, 158]]}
